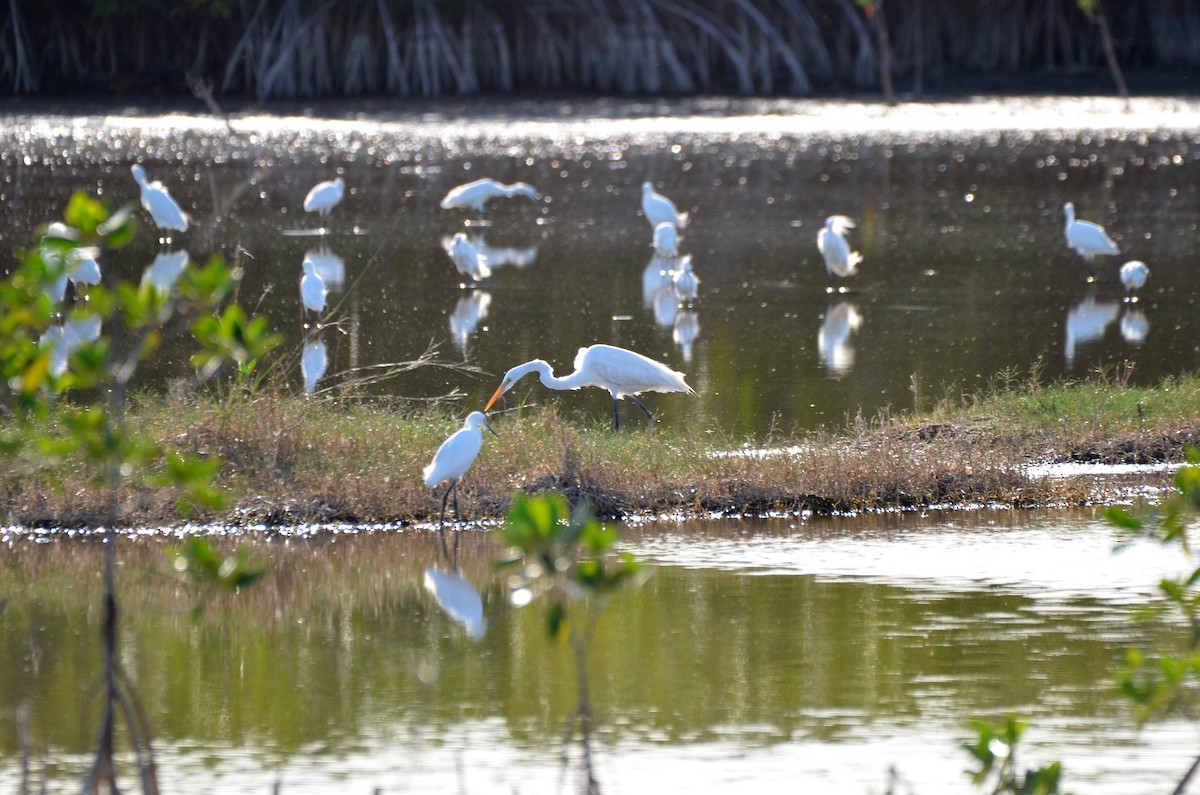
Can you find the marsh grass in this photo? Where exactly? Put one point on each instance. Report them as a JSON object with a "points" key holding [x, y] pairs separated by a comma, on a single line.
{"points": [[287, 459]]}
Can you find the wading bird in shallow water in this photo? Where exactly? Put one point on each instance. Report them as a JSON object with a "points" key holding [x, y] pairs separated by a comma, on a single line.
{"points": [[661, 210], [1133, 275], [666, 240], [1087, 238], [474, 195], [831, 242], [324, 196], [467, 259], [312, 288], [451, 462], [158, 202], [623, 373]]}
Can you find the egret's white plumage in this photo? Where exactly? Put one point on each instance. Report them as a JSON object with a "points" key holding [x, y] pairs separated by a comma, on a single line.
{"points": [[622, 372], [1134, 274], [82, 267], [63, 338], [158, 202], [666, 240], [1087, 238], [833, 339], [166, 269], [458, 598], [474, 195], [467, 258], [330, 267], [324, 196], [661, 210], [685, 280], [451, 462], [831, 242], [312, 288]]}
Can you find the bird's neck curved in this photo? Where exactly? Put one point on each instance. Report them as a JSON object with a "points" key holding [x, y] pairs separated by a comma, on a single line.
{"points": [[545, 375]]}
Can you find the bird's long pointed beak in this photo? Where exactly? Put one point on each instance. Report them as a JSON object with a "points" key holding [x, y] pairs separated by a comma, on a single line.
{"points": [[495, 397], [488, 425]]}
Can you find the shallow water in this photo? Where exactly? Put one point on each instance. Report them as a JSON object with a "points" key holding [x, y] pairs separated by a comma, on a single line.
{"points": [[966, 271], [760, 655]]}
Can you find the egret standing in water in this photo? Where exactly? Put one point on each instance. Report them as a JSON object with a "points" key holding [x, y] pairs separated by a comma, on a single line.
{"points": [[623, 373], [831, 242], [158, 202], [1087, 238], [324, 196], [312, 288], [666, 240], [1133, 275], [451, 462], [474, 195], [467, 258], [661, 210], [685, 280]]}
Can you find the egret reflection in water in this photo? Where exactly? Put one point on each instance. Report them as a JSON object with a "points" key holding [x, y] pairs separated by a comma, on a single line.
{"points": [[1086, 322], [314, 360], [458, 599], [469, 311], [1134, 326], [685, 331], [833, 339], [64, 338], [329, 266], [655, 278], [494, 256], [166, 269]]}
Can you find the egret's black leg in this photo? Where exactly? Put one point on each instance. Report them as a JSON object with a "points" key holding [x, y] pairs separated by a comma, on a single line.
{"points": [[616, 415], [457, 530], [641, 406], [442, 522]]}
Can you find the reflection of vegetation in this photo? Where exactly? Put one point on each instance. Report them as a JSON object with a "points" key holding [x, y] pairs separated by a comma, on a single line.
{"points": [[995, 749], [566, 559]]}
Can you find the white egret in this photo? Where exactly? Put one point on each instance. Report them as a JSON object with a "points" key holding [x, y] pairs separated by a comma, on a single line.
{"points": [[1087, 238], [831, 242], [467, 258], [312, 288], [330, 267], [314, 360], [158, 202], [458, 598], [622, 372], [82, 267], [685, 280], [469, 311], [475, 195], [661, 210], [451, 462], [833, 339], [66, 337], [1134, 274], [666, 240], [166, 269], [1086, 322], [324, 196]]}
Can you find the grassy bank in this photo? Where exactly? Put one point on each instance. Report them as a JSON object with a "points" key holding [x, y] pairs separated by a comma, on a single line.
{"points": [[286, 459]]}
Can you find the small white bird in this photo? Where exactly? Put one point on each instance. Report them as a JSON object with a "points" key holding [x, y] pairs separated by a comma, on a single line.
{"points": [[312, 288], [831, 242], [324, 196], [686, 282], [666, 240], [158, 202], [451, 462], [475, 195], [166, 269], [658, 209], [1087, 238], [1134, 274], [82, 267], [467, 258], [622, 372]]}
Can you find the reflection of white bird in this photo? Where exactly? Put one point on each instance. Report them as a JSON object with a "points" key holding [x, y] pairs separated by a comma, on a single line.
{"points": [[831, 242], [475, 195], [166, 269], [1086, 322], [655, 278], [451, 462], [158, 202], [1134, 326], [1087, 238], [470, 310], [467, 258], [330, 267], [497, 256], [623, 373], [1134, 274], [312, 288], [833, 339], [685, 331], [313, 362], [666, 305], [458, 598], [666, 240], [324, 196], [661, 210], [685, 280], [79, 267], [65, 338]]}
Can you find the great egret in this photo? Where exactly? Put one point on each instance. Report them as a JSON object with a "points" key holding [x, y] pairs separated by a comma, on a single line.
{"points": [[158, 202], [622, 372], [661, 210], [475, 195], [312, 288], [451, 462], [831, 242], [165, 270], [833, 339], [1087, 238], [467, 258], [1134, 274], [324, 196], [666, 240], [685, 280]]}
